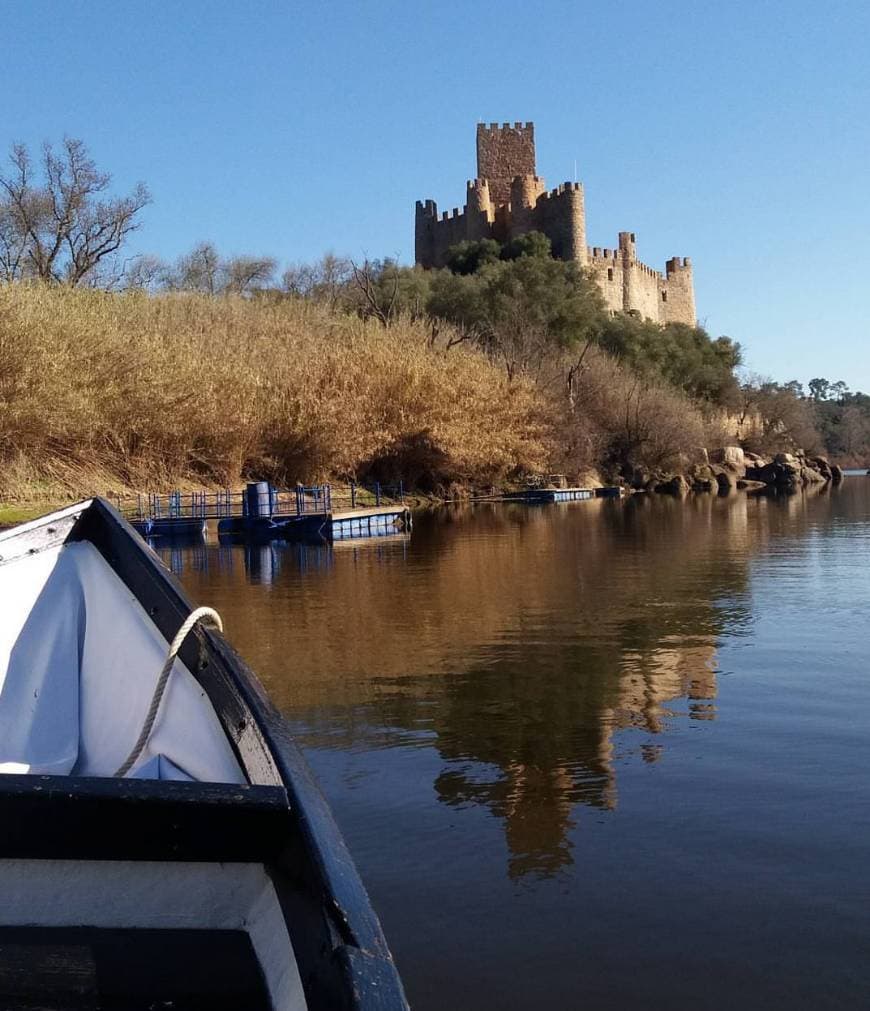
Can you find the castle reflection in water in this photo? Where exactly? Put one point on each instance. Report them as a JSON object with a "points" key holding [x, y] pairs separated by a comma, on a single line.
{"points": [[534, 649]]}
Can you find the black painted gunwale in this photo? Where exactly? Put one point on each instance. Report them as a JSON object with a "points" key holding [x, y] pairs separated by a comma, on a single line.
{"points": [[338, 941]]}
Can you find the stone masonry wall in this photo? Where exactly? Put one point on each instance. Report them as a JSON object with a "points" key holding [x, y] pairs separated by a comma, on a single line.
{"points": [[504, 152], [606, 268]]}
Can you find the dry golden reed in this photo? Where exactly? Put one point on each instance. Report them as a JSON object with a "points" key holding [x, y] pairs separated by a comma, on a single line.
{"points": [[101, 391]]}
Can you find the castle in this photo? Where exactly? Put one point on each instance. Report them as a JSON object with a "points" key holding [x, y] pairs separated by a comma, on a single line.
{"points": [[508, 199]]}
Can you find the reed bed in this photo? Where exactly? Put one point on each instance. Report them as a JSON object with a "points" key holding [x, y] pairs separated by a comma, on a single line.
{"points": [[103, 392]]}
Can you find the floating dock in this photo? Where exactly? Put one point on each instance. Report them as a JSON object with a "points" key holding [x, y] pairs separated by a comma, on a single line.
{"points": [[170, 527], [378, 521], [535, 495], [263, 513]]}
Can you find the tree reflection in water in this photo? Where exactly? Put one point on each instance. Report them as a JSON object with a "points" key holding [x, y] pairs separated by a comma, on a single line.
{"points": [[515, 641]]}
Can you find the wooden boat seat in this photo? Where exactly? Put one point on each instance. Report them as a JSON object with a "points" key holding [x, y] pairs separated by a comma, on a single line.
{"points": [[62, 817]]}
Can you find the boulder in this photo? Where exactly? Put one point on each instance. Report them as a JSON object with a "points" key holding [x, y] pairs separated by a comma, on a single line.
{"points": [[726, 479], [836, 474], [704, 484], [809, 475], [731, 457], [747, 485], [821, 464], [782, 473], [677, 485]]}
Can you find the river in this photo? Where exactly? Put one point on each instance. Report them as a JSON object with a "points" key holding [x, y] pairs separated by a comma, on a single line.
{"points": [[600, 755]]}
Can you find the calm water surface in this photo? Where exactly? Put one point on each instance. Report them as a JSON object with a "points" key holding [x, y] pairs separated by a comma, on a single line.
{"points": [[597, 755]]}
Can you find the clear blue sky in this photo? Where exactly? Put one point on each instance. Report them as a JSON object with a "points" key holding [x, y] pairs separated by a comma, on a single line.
{"points": [[735, 133]]}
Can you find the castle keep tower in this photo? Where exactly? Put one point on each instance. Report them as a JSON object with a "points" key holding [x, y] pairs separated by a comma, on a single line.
{"points": [[503, 153], [508, 198]]}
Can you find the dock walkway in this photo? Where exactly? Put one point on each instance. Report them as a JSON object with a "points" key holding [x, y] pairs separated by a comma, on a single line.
{"points": [[264, 512]]}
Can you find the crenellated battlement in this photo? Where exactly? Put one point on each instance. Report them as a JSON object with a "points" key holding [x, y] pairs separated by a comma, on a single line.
{"points": [[508, 198], [597, 253], [496, 128]]}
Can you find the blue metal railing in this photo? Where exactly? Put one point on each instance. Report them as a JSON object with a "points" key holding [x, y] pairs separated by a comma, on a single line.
{"points": [[224, 503], [378, 490]]}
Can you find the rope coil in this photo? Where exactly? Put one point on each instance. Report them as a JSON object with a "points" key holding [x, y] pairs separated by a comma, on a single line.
{"points": [[206, 615]]}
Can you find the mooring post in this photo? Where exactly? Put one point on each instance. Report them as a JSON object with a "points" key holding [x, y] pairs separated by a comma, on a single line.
{"points": [[401, 490], [377, 493], [353, 494]]}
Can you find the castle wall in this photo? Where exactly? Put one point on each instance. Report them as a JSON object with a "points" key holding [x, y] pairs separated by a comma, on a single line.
{"points": [[606, 268], [434, 235], [646, 292]]}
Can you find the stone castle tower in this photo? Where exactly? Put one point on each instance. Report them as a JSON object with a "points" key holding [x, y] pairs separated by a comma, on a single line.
{"points": [[508, 199]]}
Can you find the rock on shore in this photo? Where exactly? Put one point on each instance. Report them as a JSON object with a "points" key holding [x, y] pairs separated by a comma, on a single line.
{"points": [[729, 467]]}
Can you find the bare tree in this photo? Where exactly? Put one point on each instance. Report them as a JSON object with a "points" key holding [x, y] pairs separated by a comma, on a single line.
{"points": [[62, 226], [325, 281], [144, 273], [198, 270], [378, 286], [243, 274], [203, 269]]}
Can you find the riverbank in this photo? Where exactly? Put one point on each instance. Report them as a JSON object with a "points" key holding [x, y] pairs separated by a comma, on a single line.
{"points": [[112, 393], [116, 394]]}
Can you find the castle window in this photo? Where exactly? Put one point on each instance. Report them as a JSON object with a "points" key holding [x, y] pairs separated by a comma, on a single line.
{"points": [[664, 296], [610, 273]]}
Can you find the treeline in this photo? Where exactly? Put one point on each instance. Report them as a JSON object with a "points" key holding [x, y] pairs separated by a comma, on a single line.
{"points": [[842, 418]]}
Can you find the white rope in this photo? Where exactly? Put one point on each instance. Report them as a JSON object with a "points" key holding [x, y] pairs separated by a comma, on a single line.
{"points": [[201, 614]]}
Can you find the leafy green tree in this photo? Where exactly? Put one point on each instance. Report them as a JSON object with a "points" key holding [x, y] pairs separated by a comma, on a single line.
{"points": [[820, 389], [839, 391], [469, 257], [521, 311], [531, 244], [685, 356], [843, 419]]}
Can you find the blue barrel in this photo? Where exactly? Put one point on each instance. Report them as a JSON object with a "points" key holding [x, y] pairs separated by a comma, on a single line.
{"points": [[258, 496]]}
